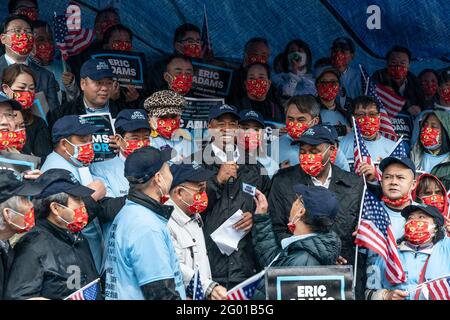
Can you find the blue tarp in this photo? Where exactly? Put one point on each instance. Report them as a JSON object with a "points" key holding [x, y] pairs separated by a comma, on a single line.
{"points": [[423, 26]]}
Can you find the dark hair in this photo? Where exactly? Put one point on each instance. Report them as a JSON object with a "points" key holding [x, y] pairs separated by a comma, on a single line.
{"points": [[299, 43], [305, 103], [42, 24], [177, 56], [265, 66], [426, 182], [15, 17], [422, 73], [318, 224], [181, 31], [325, 61], [117, 27], [42, 206], [364, 102], [255, 40], [398, 48], [12, 5], [105, 11]]}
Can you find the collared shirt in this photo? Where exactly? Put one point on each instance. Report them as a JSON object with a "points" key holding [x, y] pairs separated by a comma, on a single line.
{"points": [[219, 153], [89, 110], [288, 241], [319, 183], [11, 61]]}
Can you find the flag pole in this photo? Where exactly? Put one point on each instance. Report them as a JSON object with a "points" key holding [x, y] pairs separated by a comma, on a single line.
{"points": [[424, 283], [397, 143]]}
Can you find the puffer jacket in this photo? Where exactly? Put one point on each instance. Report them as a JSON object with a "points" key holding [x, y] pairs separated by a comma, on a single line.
{"points": [[319, 249]]}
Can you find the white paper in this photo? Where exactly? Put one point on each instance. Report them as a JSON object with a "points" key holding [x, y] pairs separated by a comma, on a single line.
{"points": [[226, 237], [85, 176]]}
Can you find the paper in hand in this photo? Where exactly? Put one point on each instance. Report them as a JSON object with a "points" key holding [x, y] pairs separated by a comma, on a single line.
{"points": [[226, 236]]}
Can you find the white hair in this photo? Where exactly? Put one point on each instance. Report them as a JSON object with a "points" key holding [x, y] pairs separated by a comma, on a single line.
{"points": [[12, 203]]}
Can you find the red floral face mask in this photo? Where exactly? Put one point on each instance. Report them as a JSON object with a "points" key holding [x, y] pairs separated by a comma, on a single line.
{"points": [[28, 221], [193, 50], [327, 91], [397, 72], [121, 45], [429, 88], [296, 128], [418, 231], [430, 138], [80, 219], [199, 203], [435, 200], [20, 139], [339, 59], [181, 83], [83, 154], [7, 139], [167, 126], [249, 140], [30, 13], [133, 145], [445, 94], [369, 125], [333, 156], [22, 43], [312, 163], [256, 59], [45, 52], [257, 87], [25, 98], [396, 203]]}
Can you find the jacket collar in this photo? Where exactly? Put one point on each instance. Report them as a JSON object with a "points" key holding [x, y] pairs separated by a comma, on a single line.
{"points": [[148, 202], [181, 218], [63, 234], [406, 246]]}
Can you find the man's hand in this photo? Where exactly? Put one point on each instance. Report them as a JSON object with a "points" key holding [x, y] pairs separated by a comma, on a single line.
{"points": [[32, 174], [246, 223], [414, 110], [67, 78], [219, 293], [368, 171], [131, 94], [226, 171], [100, 190], [395, 295], [113, 145], [261, 203], [115, 92]]}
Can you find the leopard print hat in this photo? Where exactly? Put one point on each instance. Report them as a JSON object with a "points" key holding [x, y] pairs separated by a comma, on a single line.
{"points": [[165, 102]]}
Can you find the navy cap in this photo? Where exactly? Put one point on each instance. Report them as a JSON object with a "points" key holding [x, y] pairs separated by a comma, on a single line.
{"points": [[55, 181], [71, 125], [316, 135], [404, 161], [319, 72], [218, 111], [193, 172], [131, 120], [15, 105], [142, 164], [429, 210], [251, 115], [332, 130], [12, 184], [318, 201], [96, 69], [343, 43]]}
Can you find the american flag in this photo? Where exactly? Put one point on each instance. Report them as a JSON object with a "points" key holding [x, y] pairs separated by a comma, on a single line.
{"points": [[73, 39], [197, 284], [360, 152], [438, 289], [369, 89], [392, 102], [207, 45], [399, 150], [88, 292], [245, 290], [375, 233]]}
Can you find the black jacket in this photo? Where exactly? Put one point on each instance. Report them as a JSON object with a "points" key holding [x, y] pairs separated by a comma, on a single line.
{"points": [[39, 141], [223, 202], [47, 260], [320, 249], [6, 257]]}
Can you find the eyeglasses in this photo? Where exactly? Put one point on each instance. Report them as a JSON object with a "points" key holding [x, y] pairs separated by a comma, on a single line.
{"points": [[20, 31], [7, 115], [192, 41]]}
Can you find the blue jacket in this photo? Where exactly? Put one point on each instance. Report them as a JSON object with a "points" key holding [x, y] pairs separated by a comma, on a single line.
{"points": [[111, 173]]}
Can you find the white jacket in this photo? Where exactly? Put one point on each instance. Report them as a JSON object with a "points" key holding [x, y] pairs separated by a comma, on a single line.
{"points": [[189, 243]]}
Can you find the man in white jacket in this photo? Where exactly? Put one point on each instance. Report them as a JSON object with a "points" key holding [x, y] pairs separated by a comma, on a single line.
{"points": [[188, 197]]}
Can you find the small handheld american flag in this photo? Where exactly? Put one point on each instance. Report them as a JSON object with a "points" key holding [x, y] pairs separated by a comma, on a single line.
{"points": [[375, 233], [246, 289], [399, 150], [437, 289], [195, 290], [88, 292], [360, 152]]}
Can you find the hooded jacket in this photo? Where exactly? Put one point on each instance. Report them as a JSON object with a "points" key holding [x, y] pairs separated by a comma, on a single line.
{"points": [[441, 185]]}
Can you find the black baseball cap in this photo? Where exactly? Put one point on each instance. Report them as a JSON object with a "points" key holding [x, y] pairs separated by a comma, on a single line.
{"points": [[131, 120], [71, 125], [343, 43], [144, 163], [316, 135], [218, 111], [193, 172], [318, 201], [12, 184], [55, 181], [432, 211], [96, 69], [251, 115], [404, 161], [15, 105], [332, 130], [319, 72]]}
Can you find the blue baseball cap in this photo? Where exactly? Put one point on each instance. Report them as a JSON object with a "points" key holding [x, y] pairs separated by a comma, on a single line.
{"points": [[131, 120], [404, 161], [316, 135], [318, 201], [55, 181], [432, 211], [71, 125], [15, 105], [319, 72], [251, 115], [193, 172], [144, 163], [218, 111], [332, 130], [96, 69]]}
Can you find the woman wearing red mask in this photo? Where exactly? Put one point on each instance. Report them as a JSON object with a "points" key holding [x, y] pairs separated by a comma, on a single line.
{"points": [[432, 192], [424, 253], [429, 83], [18, 83]]}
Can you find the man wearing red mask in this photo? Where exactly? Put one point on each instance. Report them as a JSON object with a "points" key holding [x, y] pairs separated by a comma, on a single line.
{"points": [[178, 75], [8, 135], [55, 245], [17, 37], [315, 169], [189, 199], [164, 110], [16, 216], [398, 77]]}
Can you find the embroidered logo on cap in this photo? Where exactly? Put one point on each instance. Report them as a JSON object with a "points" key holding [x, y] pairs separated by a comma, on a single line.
{"points": [[73, 179], [195, 165], [137, 116], [252, 114], [102, 66], [225, 106], [309, 132]]}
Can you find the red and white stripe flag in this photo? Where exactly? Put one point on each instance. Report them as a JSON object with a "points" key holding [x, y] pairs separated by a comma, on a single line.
{"points": [[437, 289], [392, 102]]}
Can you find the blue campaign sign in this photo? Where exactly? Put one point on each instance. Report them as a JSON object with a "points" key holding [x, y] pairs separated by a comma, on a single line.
{"points": [[104, 123], [211, 79]]}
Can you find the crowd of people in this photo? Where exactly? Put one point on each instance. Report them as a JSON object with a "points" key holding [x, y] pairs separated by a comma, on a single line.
{"points": [[143, 222]]}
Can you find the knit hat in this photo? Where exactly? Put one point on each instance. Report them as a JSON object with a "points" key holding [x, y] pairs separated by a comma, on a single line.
{"points": [[163, 103]]}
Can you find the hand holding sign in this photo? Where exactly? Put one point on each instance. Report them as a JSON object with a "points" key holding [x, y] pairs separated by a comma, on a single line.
{"points": [[261, 203], [131, 94]]}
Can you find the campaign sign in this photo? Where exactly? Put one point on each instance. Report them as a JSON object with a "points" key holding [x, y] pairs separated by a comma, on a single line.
{"points": [[402, 124], [104, 123], [128, 66], [211, 80], [309, 283], [18, 162]]}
